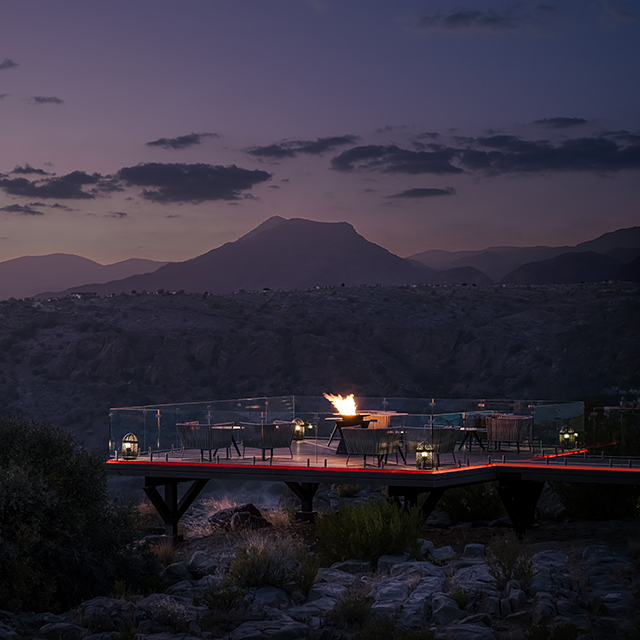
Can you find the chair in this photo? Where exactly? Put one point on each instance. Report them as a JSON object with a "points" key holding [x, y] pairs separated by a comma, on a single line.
{"points": [[276, 435], [206, 437], [509, 428], [372, 442], [442, 439]]}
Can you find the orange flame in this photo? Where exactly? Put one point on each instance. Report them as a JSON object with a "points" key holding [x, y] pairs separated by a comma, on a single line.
{"points": [[345, 406]]}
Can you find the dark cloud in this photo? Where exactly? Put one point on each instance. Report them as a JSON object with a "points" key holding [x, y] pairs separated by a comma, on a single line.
{"points": [[8, 63], [46, 100], [619, 10], [391, 127], [24, 210], [67, 187], [393, 159], [560, 123], [424, 193], [512, 155], [116, 214], [470, 19], [190, 182], [4, 95], [181, 142], [56, 205], [27, 169], [292, 148], [626, 136], [427, 135]]}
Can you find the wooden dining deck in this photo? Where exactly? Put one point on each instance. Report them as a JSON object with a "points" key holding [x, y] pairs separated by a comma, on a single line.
{"points": [[520, 474]]}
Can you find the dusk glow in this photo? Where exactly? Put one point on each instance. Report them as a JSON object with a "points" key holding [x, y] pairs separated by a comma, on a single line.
{"points": [[162, 130]]}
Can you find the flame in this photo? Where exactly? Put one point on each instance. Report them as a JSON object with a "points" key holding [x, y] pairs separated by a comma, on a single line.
{"points": [[345, 406]]}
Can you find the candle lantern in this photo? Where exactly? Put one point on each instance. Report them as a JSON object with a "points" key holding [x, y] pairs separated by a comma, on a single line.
{"points": [[298, 434], [568, 438], [130, 447], [425, 456]]}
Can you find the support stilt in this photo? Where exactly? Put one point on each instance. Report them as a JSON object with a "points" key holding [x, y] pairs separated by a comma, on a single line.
{"points": [[520, 498], [170, 508], [305, 491]]}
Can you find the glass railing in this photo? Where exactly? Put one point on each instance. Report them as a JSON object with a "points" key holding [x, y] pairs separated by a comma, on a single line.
{"points": [[554, 424]]}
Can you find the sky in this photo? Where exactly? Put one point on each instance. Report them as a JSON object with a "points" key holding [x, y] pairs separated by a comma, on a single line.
{"points": [[162, 129]]}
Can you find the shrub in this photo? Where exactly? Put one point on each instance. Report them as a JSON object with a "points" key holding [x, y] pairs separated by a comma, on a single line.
{"points": [[599, 501], [460, 596], [348, 490], [475, 502], [351, 610], [508, 559], [61, 538], [368, 531], [225, 604]]}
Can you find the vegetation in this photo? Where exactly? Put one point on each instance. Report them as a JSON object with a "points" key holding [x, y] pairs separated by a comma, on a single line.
{"points": [[61, 540], [475, 502], [368, 531], [508, 559], [588, 501]]}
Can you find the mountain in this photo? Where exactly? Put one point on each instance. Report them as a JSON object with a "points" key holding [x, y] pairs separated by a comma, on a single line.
{"points": [[279, 254], [26, 276], [567, 268], [498, 262], [630, 272]]}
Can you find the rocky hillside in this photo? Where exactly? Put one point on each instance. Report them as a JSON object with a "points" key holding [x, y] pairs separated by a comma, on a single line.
{"points": [[68, 360]]}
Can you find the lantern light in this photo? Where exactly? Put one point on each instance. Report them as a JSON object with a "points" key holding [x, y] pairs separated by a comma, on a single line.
{"points": [[425, 454], [130, 447], [298, 434]]}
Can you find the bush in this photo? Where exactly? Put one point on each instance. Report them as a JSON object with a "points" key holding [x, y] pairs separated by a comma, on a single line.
{"points": [[599, 501], [508, 559], [61, 540], [475, 502], [368, 531]]}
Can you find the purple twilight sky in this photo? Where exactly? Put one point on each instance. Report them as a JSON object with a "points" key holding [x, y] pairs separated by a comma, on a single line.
{"points": [[163, 128]]}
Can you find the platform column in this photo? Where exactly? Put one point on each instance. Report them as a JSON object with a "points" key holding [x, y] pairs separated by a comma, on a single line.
{"points": [[520, 498], [305, 491]]}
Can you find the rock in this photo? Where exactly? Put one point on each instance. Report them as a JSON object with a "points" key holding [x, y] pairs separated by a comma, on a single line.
{"points": [[386, 562], [249, 517], [439, 519], [313, 609], [174, 573], [445, 610], [517, 599], [62, 631], [555, 559], [389, 595], [245, 521], [353, 566], [416, 609], [7, 632], [465, 632], [478, 618], [272, 630], [327, 590], [490, 605], [336, 576], [271, 597], [201, 564], [426, 547], [473, 550], [443, 554], [567, 608], [505, 607], [416, 569], [543, 607], [477, 580]]}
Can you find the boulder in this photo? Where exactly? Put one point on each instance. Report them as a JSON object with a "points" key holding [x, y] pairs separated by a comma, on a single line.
{"points": [[312, 609], [270, 630], [386, 562], [477, 580], [416, 609], [543, 607], [353, 566], [174, 573], [465, 632], [445, 610], [473, 550], [248, 517], [443, 555], [416, 569], [327, 590], [61, 631], [271, 597], [336, 576], [426, 547], [201, 564]]}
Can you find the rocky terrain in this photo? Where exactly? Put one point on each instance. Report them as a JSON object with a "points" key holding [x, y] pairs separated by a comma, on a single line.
{"points": [[582, 583], [68, 360]]}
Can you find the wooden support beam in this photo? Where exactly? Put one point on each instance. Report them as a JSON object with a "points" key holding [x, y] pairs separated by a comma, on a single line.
{"points": [[411, 495], [305, 491], [171, 509]]}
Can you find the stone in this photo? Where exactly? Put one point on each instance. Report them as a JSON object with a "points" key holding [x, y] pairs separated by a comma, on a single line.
{"points": [[517, 599], [327, 590], [62, 631], [443, 554], [271, 630], [439, 520], [174, 573], [353, 566], [313, 609], [246, 521], [201, 564], [543, 607], [416, 609], [445, 610], [489, 605], [271, 597], [478, 618], [7, 632], [389, 595], [251, 518], [465, 632], [386, 562], [473, 550], [416, 569], [505, 607], [426, 547], [477, 580], [336, 576], [568, 608]]}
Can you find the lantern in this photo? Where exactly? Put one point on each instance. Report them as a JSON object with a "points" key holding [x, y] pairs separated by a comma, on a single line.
{"points": [[568, 438], [298, 434], [130, 447], [424, 456]]}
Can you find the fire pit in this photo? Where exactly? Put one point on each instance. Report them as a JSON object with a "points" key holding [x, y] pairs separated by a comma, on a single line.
{"points": [[347, 416]]}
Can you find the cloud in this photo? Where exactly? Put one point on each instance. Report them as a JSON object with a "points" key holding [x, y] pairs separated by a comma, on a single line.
{"points": [[4, 95], [46, 100], [423, 193], [560, 123], [27, 169], [8, 63], [291, 148], [181, 142], [393, 159], [56, 205], [470, 19], [25, 210], [67, 187], [626, 136], [194, 183], [619, 10], [116, 214]]}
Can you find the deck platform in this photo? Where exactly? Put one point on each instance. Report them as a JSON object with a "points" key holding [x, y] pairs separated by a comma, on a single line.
{"points": [[520, 475]]}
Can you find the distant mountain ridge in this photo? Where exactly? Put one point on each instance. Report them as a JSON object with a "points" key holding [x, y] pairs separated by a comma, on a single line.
{"points": [[286, 254], [29, 275]]}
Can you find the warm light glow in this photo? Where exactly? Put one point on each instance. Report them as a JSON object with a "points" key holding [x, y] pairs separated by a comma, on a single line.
{"points": [[345, 406]]}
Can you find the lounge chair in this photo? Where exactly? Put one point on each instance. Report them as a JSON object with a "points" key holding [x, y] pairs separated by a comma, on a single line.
{"points": [[372, 442], [206, 437], [276, 435], [442, 439]]}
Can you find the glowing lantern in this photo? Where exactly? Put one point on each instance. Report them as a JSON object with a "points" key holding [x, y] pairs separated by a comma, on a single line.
{"points": [[130, 447], [298, 434], [424, 456]]}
